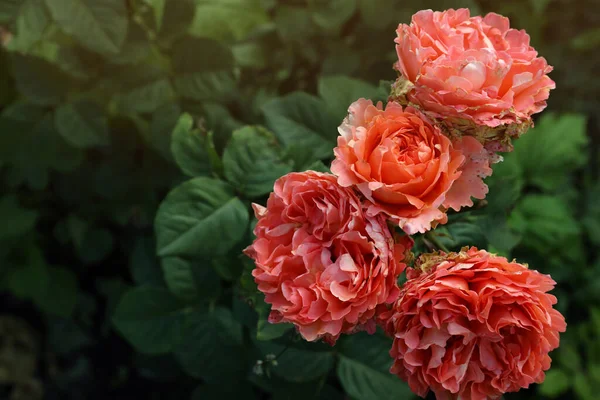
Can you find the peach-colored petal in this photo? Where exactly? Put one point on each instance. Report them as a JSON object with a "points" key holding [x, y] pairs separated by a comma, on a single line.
{"points": [[444, 343], [475, 168], [422, 222], [321, 261], [471, 68], [400, 162]]}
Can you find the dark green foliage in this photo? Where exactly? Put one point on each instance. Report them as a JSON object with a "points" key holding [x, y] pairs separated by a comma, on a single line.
{"points": [[134, 135]]}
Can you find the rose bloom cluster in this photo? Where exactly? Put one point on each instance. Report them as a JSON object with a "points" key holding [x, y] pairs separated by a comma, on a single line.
{"points": [[330, 248]]}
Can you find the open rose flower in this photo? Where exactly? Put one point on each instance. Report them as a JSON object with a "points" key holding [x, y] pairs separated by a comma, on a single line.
{"points": [[405, 167], [320, 261], [473, 325], [471, 72]]}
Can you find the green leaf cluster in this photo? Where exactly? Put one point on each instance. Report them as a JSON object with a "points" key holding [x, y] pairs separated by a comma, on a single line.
{"points": [[135, 134]]}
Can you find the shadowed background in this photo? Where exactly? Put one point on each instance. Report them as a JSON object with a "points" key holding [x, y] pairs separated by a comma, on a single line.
{"points": [[90, 94]]}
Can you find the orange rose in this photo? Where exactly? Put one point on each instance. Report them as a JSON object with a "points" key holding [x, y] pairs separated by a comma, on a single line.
{"points": [[474, 74], [406, 167], [322, 264], [474, 325]]}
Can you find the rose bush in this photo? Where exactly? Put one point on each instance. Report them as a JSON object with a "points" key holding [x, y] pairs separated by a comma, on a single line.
{"points": [[149, 295], [321, 262], [472, 70], [472, 324], [405, 167]]}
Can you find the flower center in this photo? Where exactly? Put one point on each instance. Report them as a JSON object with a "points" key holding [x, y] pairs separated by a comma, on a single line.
{"points": [[474, 72]]}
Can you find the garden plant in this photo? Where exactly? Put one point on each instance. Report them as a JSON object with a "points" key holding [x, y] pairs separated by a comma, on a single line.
{"points": [[262, 199]]}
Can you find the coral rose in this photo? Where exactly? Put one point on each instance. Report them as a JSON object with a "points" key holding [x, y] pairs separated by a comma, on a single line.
{"points": [[320, 261], [406, 167], [472, 71], [474, 325]]}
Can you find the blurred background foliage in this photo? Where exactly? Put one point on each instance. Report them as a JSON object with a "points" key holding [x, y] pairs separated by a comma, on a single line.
{"points": [[92, 139]]}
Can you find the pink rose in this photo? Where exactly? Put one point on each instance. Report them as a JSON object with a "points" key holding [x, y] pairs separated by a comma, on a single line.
{"points": [[472, 69], [405, 167], [320, 261], [473, 325]]}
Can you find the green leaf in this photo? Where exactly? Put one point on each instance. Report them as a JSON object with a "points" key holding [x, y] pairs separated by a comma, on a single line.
{"points": [[552, 150], [60, 298], [66, 336], [159, 10], [301, 121], [219, 120], [228, 267], [459, 234], [293, 23], [101, 26], [159, 134], [76, 229], [216, 163], [363, 369], [96, 245], [191, 280], [341, 60], [545, 223], [583, 387], [31, 23], [161, 368], [200, 218], [82, 124], [586, 40], [556, 383], [136, 46], [199, 77], [113, 291], [591, 219], [330, 15], [319, 167], [570, 358], [177, 17], [252, 161], [9, 9], [250, 54], [505, 185], [551, 236], [298, 364], [188, 148], [151, 319], [212, 347], [376, 13], [31, 145], [31, 278], [144, 265], [227, 19], [16, 220], [40, 81], [498, 233], [338, 92], [539, 6], [146, 95]]}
